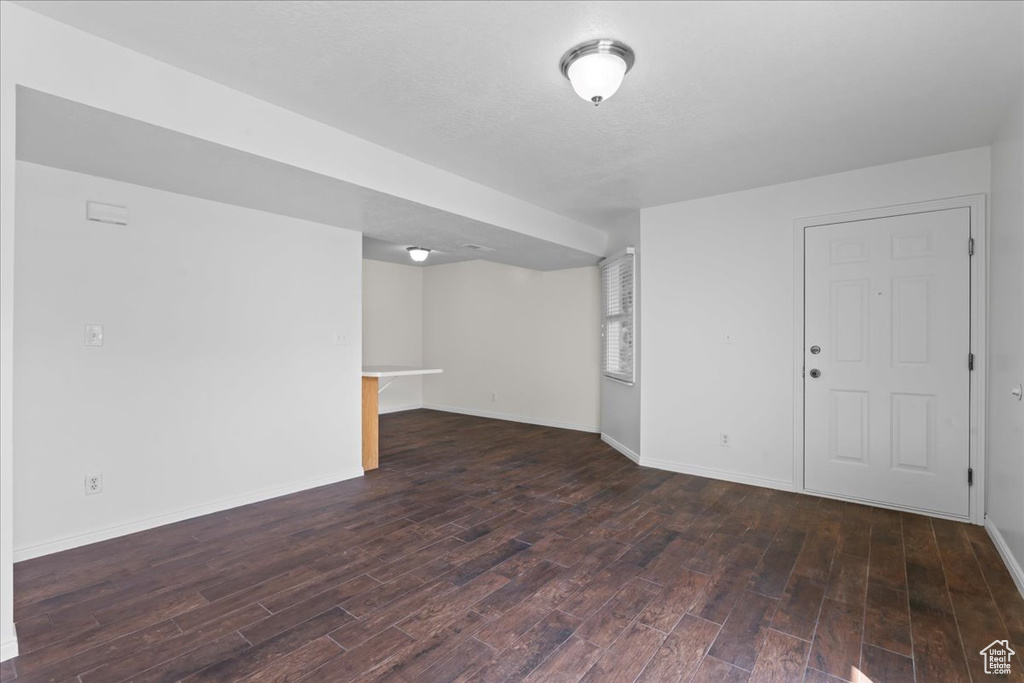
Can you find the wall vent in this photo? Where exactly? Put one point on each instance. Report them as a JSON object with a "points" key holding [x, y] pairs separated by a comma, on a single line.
{"points": [[106, 213]]}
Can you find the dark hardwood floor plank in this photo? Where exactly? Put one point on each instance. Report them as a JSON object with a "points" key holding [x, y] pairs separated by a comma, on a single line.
{"points": [[888, 564], [773, 572], [359, 661], [887, 619], [359, 630], [290, 617], [209, 654], [439, 614], [1009, 603], [881, 666], [593, 595], [815, 676], [716, 671], [782, 658], [674, 601], [294, 666], [490, 550], [721, 593], [815, 559], [799, 607], [459, 665], [605, 626], [681, 654], [251, 596], [136, 661], [259, 656], [847, 583], [855, 531], [527, 653], [836, 648], [344, 585], [628, 656], [411, 660], [938, 651], [568, 664], [974, 606], [744, 629], [90, 649], [519, 589]]}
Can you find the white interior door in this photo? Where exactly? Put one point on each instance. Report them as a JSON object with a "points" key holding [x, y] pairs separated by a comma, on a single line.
{"points": [[886, 343]]}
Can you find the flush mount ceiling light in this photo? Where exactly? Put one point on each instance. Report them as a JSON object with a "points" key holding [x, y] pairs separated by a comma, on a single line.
{"points": [[418, 254], [596, 68]]}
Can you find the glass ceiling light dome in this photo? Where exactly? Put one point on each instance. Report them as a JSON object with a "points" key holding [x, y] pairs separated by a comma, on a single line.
{"points": [[418, 254], [596, 68]]}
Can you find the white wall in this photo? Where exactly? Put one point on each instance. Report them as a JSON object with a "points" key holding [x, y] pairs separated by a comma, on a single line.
{"points": [[1006, 343], [530, 337], [219, 380], [725, 264], [393, 328], [8, 638]]}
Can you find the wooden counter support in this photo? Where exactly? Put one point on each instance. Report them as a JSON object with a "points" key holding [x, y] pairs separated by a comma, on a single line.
{"points": [[370, 451], [371, 388]]}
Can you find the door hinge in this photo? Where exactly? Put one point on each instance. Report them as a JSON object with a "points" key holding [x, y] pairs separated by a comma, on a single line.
{"points": [[970, 246], [970, 476], [970, 361]]}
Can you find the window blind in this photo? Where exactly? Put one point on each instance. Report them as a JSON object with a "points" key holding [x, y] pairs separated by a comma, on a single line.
{"points": [[617, 328]]}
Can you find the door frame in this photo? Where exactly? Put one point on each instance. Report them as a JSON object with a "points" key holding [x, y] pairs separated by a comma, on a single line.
{"points": [[979, 345]]}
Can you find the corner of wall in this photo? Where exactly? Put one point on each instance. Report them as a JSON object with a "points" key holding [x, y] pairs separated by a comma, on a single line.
{"points": [[8, 635], [1004, 513], [1012, 565], [626, 451]]}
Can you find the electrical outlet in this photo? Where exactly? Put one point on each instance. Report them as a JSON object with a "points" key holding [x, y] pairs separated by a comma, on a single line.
{"points": [[724, 440], [494, 397], [340, 338], [93, 484]]}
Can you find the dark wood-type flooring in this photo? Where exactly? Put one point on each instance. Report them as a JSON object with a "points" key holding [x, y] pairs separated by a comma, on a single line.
{"points": [[493, 551]]}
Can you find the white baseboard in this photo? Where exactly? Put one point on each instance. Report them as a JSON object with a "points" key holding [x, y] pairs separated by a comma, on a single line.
{"points": [[514, 418], [57, 545], [1004, 551], [736, 477], [9, 647], [628, 452], [399, 409]]}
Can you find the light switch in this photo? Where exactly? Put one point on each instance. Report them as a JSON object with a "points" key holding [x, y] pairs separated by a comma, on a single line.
{"points": [[94, 335], [727, 338]]}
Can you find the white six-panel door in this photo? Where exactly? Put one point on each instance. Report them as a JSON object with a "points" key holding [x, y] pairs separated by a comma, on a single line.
{"points": [[887, 390]]}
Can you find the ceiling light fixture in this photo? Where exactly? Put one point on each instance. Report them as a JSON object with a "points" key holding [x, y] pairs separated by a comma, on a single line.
{"points": [[596, 68], [418, 254]]}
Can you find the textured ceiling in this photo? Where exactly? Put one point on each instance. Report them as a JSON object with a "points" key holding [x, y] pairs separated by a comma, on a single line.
{"points": [[57, 132], [724, 95]]}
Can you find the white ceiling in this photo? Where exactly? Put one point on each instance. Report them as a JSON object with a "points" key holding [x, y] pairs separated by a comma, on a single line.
{"points": [[57, 132], [724, 95]]}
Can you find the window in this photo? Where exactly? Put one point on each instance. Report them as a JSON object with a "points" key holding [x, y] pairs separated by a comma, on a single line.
{"points": [[617, 328]]}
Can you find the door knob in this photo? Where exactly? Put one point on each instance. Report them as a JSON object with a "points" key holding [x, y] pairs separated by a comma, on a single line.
{"points": [[815, 373], [815, 349]]}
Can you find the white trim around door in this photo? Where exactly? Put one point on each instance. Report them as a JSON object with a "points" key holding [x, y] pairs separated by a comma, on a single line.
{"points": [[979, 300]]}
